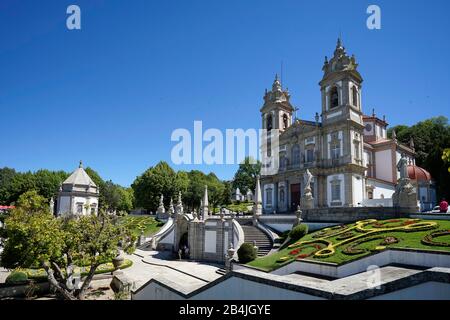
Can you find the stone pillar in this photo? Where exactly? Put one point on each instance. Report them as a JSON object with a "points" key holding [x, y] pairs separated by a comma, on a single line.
{"points": [[257, 207], [229, 261], [205, 204]]}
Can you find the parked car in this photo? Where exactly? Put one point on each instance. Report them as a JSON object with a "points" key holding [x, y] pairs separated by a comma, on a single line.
{"points": [[436, 209]]}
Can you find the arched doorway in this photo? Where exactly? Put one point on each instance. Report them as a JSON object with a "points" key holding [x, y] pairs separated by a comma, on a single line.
{"points": [[183, 246]]}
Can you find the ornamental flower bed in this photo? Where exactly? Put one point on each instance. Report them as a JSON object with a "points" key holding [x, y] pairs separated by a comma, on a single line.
{"points": [[429, 238]]}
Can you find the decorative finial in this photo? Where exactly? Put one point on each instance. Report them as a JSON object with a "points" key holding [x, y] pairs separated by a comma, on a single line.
{"points": [[373, 112], [81, 164], [339, 42], [394, 135], [326, 60], [276, 84]]}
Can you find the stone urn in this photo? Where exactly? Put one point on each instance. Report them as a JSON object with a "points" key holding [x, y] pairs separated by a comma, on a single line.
{"points": [[118, 260]]}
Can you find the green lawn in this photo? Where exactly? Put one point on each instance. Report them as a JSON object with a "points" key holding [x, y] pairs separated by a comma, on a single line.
{"points": [[240, 207], [344, 243], [138, 223]]}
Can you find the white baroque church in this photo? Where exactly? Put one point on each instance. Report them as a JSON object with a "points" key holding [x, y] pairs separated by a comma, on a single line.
{"points": [[348, 153]]}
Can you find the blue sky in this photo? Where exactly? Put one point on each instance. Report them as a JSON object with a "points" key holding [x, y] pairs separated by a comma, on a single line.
{"points": [[113, 92]]}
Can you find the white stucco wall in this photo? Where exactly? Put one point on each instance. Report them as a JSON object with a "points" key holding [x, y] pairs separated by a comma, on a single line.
{"points": [[358, 190], [381, 190], [383, 162], [65, 204], [242, 289]]}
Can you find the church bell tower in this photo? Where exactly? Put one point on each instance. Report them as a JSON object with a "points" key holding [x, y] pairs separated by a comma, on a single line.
{"points": [[277, 110], [341, 88]]}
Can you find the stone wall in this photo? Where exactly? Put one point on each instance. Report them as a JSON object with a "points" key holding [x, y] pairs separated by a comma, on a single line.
{"points": [[352, 214]]}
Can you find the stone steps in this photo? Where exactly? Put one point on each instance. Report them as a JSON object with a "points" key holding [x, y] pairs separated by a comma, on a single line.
{"points": [[255, 236], [221, 271]]}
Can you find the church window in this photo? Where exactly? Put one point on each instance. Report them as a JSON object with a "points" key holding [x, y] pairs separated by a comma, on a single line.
{"points": [[309, 155], [285, 121], [269, 122], [335, 150], [282, 162], [334, 98], [296, 154], [336, 190], [370, 194], [79, 208], [269, 196], [93, 207], [355, 96]]}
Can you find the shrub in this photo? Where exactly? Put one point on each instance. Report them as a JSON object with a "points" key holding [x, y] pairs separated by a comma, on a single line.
{"points": [[246, 253], [17, 277], [298, 232]]}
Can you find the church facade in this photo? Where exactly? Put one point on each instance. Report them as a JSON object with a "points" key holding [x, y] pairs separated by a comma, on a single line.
{"points": [[352, 161]]}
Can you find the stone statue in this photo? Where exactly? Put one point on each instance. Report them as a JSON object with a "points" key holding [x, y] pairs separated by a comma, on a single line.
{"points": [[52, 206], [307, 179], [402, 166], [307, 200], [161, 212]]}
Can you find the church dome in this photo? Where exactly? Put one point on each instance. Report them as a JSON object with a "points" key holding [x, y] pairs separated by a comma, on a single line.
{"points": [[418, 173]]}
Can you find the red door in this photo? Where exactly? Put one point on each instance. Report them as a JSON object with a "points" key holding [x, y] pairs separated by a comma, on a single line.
{"points": [[295, 196]]}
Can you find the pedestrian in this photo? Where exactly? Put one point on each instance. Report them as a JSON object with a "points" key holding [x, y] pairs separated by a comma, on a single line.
{"points": [[443, 206]]}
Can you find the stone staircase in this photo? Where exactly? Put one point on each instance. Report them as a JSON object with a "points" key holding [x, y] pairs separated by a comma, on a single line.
{"points": [[255, 235]]}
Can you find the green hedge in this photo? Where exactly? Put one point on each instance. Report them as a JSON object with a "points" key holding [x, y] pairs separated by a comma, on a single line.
{"points": [[298, 232], [17, 277], [246, 253]]}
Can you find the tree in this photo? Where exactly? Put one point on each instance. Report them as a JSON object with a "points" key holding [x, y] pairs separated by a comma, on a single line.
{"points": [[21, 183], [215, 190], [227, 193], [38, 239], [430, 138], [245, 177], [47, 182], [157, 180], [111, 196], [446, 157], [6, 177], [126, 199], [32, 202]]}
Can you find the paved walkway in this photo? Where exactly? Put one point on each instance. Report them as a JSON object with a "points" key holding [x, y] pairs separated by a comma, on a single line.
{"points": [[156, 265]]}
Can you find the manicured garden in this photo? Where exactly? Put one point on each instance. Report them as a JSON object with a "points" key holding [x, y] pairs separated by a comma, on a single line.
{"points": [[240, 207], [344, 243], [23, 275], [139, 224]]}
